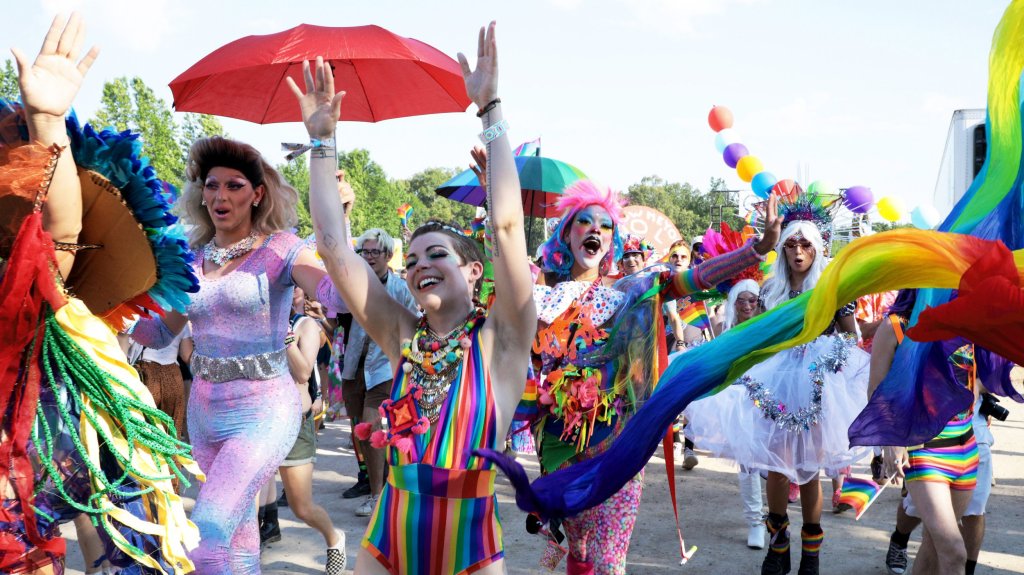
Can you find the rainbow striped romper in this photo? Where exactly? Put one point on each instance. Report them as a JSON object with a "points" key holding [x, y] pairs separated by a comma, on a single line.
{"points": [[438, 513], [951, 457]]}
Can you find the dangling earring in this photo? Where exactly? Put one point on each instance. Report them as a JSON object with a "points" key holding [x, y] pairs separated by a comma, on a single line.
{"points": [[202, 203]]}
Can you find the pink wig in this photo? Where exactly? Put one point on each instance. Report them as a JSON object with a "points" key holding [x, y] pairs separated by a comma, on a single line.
{"points": [[555, 253], [586, 193]]}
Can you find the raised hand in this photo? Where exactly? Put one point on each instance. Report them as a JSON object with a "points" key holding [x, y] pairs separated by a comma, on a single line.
{"points": [[479, 165], [772, 227], [482, 83], [320, 106], [49, 84]]}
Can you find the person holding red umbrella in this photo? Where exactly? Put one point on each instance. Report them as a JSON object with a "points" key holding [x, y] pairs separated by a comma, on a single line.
{"points": [[459, 369]]}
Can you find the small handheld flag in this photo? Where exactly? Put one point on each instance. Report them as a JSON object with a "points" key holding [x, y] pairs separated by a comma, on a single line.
{"points": [[860, 493], [696, 314], [404, 211]]}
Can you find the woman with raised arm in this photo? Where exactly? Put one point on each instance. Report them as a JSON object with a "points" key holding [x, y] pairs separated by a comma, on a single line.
{"points": [[85, 241], [459, 368]]}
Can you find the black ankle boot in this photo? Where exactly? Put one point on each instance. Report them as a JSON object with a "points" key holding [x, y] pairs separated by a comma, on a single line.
{"points": [[776, 562], [811, 537], [270, 530]]}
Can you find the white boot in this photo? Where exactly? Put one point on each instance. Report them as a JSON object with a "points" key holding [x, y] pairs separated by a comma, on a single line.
{"points": [[750, 492]]}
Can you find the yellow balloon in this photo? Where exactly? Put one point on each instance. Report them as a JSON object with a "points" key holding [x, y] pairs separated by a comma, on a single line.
{"points": [[748, 167], [891, 208], [770, 257]]}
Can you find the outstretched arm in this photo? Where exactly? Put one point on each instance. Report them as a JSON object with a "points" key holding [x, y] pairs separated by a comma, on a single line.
{"points": [[48, 86], [352, 277], [513, 311]]}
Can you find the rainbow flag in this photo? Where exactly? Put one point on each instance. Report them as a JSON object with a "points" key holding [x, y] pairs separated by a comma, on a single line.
{"points": [[531, 148], [404, 211], [696, 314], [860, 493]]}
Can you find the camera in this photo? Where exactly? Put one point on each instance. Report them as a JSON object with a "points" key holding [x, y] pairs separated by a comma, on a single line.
{"points": [[990, 407]]}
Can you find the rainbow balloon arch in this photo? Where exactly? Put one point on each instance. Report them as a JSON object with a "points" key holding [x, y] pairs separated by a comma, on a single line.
{"points": [[858, 199]]}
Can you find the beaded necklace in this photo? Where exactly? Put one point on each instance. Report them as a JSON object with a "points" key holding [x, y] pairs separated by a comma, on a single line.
{"points": [[222, 256], [433, 360]]}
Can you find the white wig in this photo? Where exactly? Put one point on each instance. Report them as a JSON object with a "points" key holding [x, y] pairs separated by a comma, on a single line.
{"points": [[776, 290], [747, 285]]}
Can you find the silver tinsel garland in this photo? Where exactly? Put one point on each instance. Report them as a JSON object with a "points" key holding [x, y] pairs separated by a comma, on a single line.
{"points": [[805, 417]]}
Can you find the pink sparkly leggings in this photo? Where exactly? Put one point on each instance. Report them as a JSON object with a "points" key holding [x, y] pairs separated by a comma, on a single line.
{"points": [[600, 535], [241, 431]]}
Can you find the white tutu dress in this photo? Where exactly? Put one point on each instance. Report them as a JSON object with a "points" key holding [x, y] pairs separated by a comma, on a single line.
{"points": [[789, 414]]}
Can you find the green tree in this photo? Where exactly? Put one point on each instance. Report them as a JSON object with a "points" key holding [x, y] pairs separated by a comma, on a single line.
{"points": [[377, 198], [428, 205], [688, 207], [196, 126], [131, 104], [9, 81]]}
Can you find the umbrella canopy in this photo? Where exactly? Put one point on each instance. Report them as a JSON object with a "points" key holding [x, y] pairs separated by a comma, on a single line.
{"points": [[542, 181], [385, 76]]}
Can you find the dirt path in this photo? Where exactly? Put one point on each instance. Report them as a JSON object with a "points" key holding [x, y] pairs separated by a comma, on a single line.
{"points": [[710, 510]]}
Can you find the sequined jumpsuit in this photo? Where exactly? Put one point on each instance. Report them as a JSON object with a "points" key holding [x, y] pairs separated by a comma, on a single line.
{"points": [[244, 408]]}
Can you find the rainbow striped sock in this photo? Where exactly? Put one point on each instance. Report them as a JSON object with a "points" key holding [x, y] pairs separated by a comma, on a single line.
{"points": [[778, 535], [811, 542]]}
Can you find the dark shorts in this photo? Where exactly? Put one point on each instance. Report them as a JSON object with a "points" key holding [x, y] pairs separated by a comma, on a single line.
{"points": [[304, 450], [377, 394]]}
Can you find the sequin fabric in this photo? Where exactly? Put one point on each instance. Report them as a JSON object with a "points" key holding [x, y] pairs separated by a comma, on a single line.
{"points": [[601, 534], [260, 366], [241, 429]]}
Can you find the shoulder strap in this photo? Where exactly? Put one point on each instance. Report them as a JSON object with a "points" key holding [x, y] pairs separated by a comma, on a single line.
{"points": [[897, 327]]}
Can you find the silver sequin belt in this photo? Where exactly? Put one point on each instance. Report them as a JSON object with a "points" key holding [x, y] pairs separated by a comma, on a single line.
{"points": [[259, 366]]}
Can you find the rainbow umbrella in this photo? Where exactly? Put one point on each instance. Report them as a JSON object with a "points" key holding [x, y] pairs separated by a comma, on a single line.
{"points": [[542, 181]]}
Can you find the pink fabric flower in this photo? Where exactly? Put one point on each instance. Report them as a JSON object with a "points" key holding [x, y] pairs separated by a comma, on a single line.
{"points": [[379, 439], [362, 431]]}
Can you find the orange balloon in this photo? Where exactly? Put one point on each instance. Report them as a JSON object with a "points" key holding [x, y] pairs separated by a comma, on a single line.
{"points": [[720, 118], [748, 167]]}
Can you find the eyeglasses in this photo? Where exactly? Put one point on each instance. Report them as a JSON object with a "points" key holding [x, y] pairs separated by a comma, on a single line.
{"points": [[371, 253], [804, 245]]}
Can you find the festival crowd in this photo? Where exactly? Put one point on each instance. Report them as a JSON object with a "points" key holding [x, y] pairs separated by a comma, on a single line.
{"points": [[136, 359]]}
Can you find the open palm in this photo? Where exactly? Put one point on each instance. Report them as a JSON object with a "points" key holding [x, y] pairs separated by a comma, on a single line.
{"points": [[49, 84], [319, 104], [482, 83]]}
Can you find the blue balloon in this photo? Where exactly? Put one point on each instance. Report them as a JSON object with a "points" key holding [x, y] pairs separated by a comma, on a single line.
{"points": [[724, 138], [762, 184]]}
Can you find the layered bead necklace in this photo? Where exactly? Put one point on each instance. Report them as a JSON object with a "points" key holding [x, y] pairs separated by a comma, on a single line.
{"points": [[223, 256], [432, 360]]}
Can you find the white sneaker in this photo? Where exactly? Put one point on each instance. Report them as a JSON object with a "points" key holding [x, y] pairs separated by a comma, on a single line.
{"points": [[366, 509], [756, 535], [689, 459]]}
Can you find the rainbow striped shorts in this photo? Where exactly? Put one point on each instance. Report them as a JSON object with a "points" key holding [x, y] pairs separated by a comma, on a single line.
{"points": [[955, 465]]}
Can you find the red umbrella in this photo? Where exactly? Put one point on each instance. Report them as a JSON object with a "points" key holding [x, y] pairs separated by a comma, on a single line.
{"points": [[385, 76]]}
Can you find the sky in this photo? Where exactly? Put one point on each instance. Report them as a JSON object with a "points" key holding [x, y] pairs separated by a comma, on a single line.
{"points": [[849, 93]]}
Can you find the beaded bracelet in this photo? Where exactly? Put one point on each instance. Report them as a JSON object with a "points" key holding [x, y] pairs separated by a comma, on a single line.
{"points": [[494, 132], [488, 107]]}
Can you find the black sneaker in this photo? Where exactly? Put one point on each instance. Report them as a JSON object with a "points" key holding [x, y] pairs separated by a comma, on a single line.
{"points": [[896, 559], [270, 532], [282, 501], [360, 489], [808, 565], [335, 562]]}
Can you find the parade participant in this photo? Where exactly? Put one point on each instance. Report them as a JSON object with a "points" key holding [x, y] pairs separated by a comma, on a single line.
{"points": [[591, 382], [459, 368], [296, 470], [367, 373], [941, 475], [705, 420], [79, 432], [244, 410]]}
